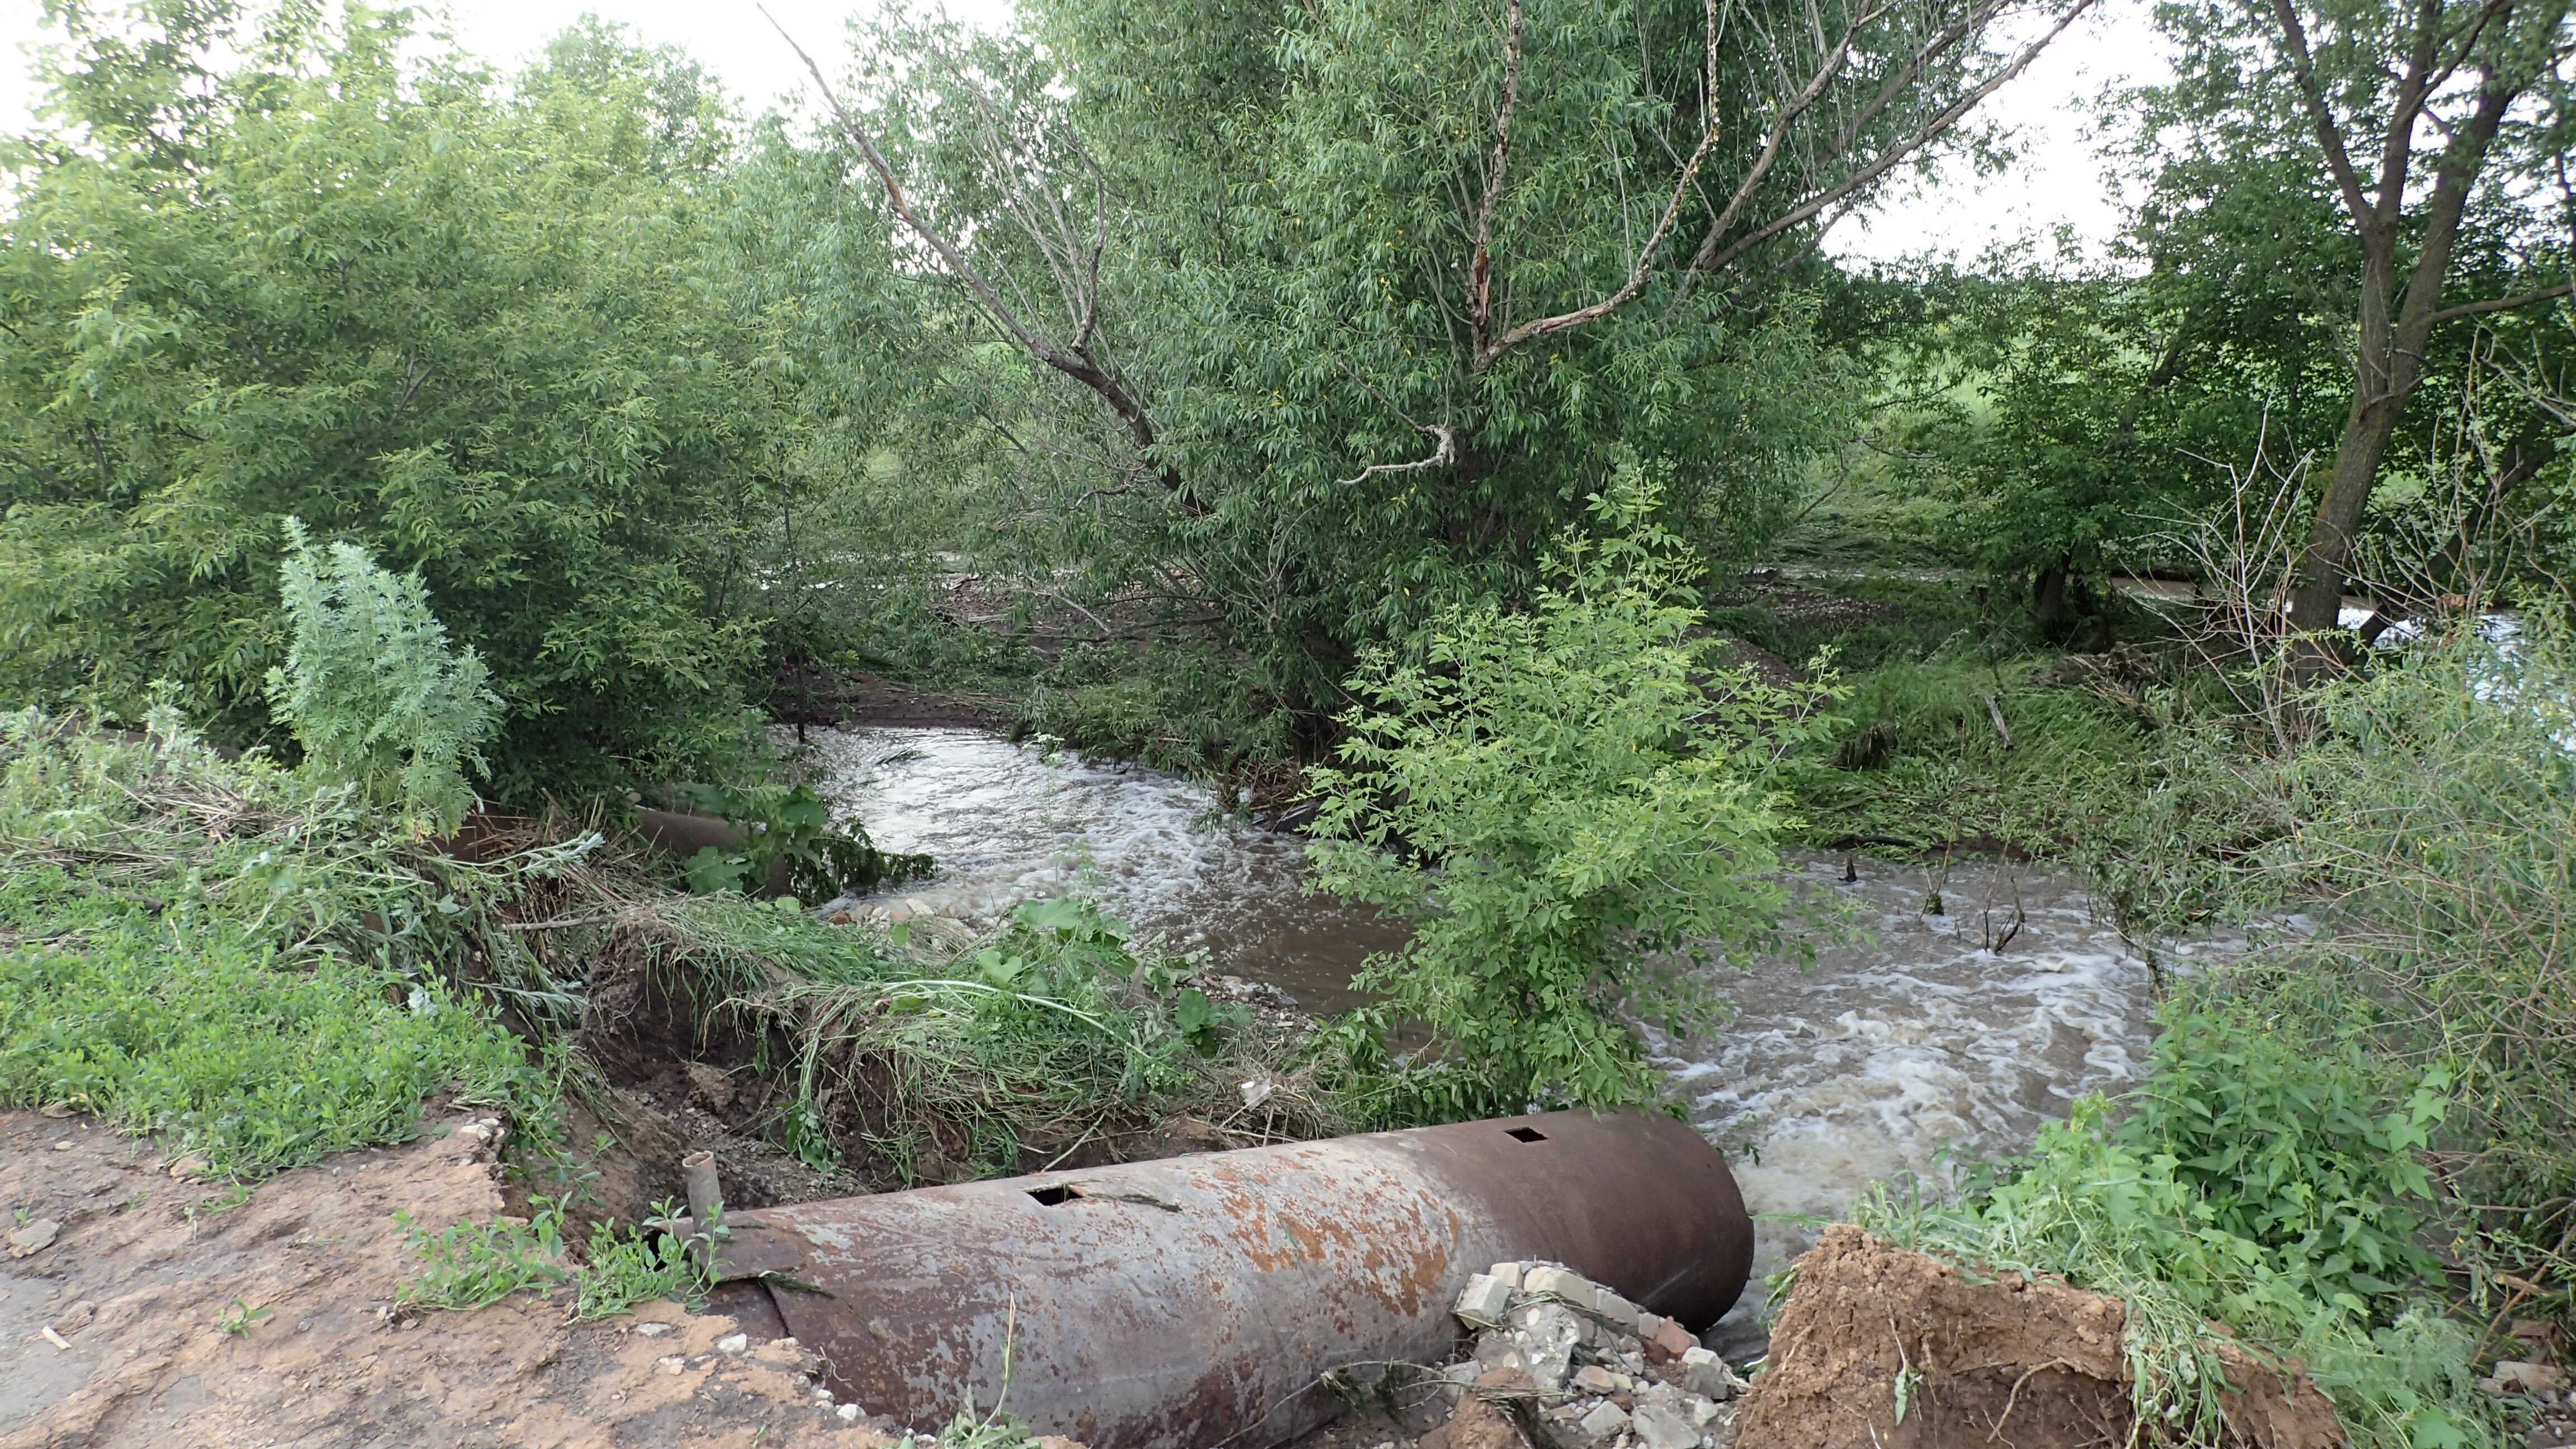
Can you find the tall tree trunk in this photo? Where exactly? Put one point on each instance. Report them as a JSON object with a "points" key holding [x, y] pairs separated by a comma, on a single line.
{"points": [[2393, 330]]}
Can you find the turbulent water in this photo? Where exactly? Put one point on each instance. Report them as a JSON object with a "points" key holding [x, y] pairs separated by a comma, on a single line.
{"points": [[1910, 1041]]}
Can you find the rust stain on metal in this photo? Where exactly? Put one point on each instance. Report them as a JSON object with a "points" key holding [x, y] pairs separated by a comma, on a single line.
{"points": [[1173, 1304]]}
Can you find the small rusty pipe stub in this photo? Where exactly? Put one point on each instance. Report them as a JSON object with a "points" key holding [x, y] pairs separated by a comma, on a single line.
{"points": [[706, 1199], [1195, 1301]]}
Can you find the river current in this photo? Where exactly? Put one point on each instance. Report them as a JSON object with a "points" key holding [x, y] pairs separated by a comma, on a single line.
{"points": [[1912, 1043]]}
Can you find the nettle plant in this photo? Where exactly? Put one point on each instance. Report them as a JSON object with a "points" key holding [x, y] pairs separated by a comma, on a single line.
{"points": [[1575, 806], [372, 691]]}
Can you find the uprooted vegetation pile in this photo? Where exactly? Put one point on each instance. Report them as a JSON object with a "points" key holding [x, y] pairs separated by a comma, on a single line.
{"points": [[261, 970]]}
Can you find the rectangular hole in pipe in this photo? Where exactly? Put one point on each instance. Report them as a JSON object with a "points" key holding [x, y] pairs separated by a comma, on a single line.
{"points": [[1527, 1134], [1056, 1196]]}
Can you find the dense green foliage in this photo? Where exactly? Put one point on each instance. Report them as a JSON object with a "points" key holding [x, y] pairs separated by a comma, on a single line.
{"points": [[1291, 349], [1572, 805], [471, 328]]}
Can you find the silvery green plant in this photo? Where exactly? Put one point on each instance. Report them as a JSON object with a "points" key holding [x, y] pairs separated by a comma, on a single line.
{"points": [[372, 690]]}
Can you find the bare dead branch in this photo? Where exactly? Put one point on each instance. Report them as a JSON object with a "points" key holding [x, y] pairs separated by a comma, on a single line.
{"points": [[2496, 304], [1888, 160], [1441, 457], [1480, 267], [1074, 362]]}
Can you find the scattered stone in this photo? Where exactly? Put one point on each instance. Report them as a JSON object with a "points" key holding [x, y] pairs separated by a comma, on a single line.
{"points": [[1545, 1336], [1478, 1422], [847, 1413], [1605, 1420], [672, 1365], [193, 1164], [1592, 1378], [1508, 1273], [1668, 1341], [734, 1343], [63, 1146], [1701, 1411], [1663, 1426], [35, 1237], [2512, 1376], [58, 1109], [652, 1330], [1705, 1374]]}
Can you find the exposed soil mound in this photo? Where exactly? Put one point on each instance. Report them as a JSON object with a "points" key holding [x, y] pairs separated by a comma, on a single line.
{"points": [[2011, 1363], [180, 1313]]}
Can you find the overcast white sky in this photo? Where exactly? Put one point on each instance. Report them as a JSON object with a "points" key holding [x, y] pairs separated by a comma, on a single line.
{"points": [[2051, 105]]}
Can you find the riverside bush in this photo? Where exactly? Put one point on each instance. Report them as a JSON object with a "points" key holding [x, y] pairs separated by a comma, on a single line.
{"points": [[1571, 805], [2304, 1180], [310, 265]]}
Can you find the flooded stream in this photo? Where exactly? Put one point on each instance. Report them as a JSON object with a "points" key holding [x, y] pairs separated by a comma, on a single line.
{"points": [[1910, 1041]]}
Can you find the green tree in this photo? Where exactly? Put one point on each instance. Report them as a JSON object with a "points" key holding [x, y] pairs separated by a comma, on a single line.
{"points": [[2390, 156], [464, 325], [1360, 296], [1572, 805]]}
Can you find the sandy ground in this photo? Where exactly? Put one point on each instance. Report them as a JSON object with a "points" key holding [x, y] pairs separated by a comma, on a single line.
{"points": [[145, 1266]]}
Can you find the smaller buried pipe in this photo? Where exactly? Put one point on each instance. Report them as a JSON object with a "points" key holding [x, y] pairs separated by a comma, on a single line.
{"points": [[1197, 1301]]}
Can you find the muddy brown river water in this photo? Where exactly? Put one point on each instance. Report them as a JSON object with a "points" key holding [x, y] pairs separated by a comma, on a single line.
{"points": [[1908, 1044]]}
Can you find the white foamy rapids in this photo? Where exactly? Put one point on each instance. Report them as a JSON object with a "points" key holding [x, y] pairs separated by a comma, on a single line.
{"points": [[1913, 1044], [1005, 824]]}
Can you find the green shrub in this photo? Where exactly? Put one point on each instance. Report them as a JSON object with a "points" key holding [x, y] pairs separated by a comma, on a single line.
{"points": [[282, 265], [371, 690], [1569, 805], [2252, 1184]]}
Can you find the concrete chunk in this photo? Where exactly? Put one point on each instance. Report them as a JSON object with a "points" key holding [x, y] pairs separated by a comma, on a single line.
{"points": [[1661, 1427], [1562, 1285], [1605, 1420], [1705, 1374], [1615, 1311], [1484, 1302]]}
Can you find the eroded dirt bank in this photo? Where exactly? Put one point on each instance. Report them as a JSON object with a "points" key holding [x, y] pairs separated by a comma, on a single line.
{"points": [[146, 1269], [1881, 1348]]}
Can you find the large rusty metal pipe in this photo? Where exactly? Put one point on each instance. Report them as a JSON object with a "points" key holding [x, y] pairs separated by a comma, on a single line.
{"points": [[1195, 1301]]}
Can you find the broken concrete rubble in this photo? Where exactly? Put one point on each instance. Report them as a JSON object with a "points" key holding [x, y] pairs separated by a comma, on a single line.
{"points": [[1577, 1366]]}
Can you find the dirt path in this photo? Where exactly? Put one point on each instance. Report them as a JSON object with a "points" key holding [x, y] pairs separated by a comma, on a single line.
{"points": [[144, 1267]]}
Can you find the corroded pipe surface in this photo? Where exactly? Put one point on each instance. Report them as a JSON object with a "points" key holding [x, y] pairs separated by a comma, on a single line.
{"points": [[1194, 1301]]}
